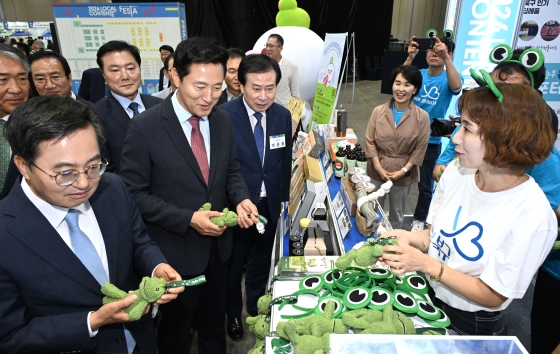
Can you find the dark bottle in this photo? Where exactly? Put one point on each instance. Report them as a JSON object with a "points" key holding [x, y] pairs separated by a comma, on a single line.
{"points": [[361, 161], [339, 163], [358, 148], [350, 160]]}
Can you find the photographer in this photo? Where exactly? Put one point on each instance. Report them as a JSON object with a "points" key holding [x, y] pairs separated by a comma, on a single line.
{"points": [[441, 81]]}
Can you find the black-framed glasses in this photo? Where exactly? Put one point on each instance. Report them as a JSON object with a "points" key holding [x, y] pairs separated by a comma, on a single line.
{"points": [[67, 177]]}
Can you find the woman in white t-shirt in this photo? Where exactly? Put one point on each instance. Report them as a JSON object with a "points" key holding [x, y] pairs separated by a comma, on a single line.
{"points": [[491, 226]]}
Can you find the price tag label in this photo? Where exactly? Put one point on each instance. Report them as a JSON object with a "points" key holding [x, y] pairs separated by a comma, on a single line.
{"points": [[344, 223], [338, 204]]}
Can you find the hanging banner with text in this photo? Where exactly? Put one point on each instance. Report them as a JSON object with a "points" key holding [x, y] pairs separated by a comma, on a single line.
{"points": [[327, 82], [540, 28], [84, 27]]}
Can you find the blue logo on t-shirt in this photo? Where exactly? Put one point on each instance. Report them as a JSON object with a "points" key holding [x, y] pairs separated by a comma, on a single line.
{"points": [[478, 230]]}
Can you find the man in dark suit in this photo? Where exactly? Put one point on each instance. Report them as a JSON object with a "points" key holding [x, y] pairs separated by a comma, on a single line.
{"points": [[51, 75], [263, 132], [233, 89], [92, 86], [176, 157], [120, 64], [66, 228], [14, 69], [164, 52]]}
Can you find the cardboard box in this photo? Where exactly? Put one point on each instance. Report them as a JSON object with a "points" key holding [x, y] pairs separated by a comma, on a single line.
{"points": [[348, 195], [312, 169]]}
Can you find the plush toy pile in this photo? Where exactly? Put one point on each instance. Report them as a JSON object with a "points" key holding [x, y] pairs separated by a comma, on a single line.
{"points": [[228, 219], [353, 299]]}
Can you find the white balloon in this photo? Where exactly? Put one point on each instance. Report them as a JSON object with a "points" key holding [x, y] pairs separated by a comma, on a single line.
{"points": [[302, 47]]}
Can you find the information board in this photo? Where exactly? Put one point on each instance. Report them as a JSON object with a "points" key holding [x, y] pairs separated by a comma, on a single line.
{"points": [[84, 27]]}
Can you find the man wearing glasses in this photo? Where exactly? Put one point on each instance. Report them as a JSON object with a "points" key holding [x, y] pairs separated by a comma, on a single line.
{"points": [[51, 75], [164, 52], [289, 84], [66, 228]]}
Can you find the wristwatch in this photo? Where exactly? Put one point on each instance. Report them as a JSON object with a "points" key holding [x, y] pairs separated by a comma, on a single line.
{"points": [[406, 171]]}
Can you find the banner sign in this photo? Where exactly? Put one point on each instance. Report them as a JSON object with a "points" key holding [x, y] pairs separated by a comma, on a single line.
{"points": [[540, 28], [84, 27], [328, 80]]}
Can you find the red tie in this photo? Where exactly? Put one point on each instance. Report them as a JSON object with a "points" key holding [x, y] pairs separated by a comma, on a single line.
{"points": [[198, 148]]}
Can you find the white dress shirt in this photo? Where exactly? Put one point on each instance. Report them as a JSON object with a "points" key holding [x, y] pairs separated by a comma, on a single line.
{"points": [[86, 220], [204, 124], [253, 121], [125, 102]]}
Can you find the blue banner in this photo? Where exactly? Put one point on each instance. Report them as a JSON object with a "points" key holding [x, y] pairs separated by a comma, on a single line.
{"points": [[124, 10], [481, 26]]}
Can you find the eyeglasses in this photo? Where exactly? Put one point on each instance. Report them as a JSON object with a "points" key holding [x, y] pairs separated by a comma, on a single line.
{"points": [[55, 79], [270, 46], [67, 177]]}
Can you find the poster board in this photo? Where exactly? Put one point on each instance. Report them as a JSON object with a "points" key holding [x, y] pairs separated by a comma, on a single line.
{"points": [[83, 28], [540, 28]]}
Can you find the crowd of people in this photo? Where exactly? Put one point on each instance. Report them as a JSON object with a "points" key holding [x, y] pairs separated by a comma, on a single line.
{"points": [[107, 185]]}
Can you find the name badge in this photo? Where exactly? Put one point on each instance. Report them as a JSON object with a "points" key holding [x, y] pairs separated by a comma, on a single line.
{"points": [[277, 141]]}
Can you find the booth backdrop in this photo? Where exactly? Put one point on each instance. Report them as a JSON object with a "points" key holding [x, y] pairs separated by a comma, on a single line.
{"points": [[240, 23]]}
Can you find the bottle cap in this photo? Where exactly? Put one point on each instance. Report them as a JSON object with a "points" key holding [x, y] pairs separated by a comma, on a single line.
{"points": [[304, 222]]}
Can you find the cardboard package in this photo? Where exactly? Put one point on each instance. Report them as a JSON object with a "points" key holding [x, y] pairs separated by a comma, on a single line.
{"points": [[348, 195]]}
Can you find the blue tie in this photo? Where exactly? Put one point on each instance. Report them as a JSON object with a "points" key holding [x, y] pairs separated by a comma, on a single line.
{"points": [[87, 254], [133, 106], [259, 135]]}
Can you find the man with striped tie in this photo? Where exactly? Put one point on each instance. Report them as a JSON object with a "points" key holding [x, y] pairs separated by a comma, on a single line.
{"points": [[66, 228], [263, 139]]}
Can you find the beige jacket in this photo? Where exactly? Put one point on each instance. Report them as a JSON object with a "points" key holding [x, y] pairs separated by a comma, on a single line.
{"points": [[395, 146], [289, 84]]}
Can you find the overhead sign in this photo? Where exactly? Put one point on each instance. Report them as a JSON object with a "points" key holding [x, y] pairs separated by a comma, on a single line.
{"points": [[84, 27]]}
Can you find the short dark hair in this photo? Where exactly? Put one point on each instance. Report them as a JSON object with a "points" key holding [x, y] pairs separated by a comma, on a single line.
{"points": [[198, 50], [235, 53], [23, 47], [47, 118], [166, 47], [448, 43], [411, 73], [279, 39], [508, 129], [166, 62], [49, 54], [117, 46], [257, 63]]}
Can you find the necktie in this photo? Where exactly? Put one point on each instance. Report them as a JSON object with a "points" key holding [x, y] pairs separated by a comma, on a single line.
{"points": [[4, 154], [133, 106], [198, 148], [87, 254], [259, 135]]}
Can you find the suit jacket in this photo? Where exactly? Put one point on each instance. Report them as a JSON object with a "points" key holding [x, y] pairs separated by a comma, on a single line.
{"points": [[11, 177], [116, 123], [161, 76], [88, 103], [276, 170], [289, 84], [47, 292], [92, 87], [164, 178], [223, 98]]}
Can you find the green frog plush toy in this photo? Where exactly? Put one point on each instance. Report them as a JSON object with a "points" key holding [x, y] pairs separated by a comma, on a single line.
{"points": [[228, 219], [150, 291]]}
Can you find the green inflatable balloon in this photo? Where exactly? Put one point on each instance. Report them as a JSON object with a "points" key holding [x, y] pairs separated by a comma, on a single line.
{"points": [[291, 15]]}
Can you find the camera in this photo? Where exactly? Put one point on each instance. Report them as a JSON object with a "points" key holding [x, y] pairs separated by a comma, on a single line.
{"points": [[425, 43], [443, 127]]}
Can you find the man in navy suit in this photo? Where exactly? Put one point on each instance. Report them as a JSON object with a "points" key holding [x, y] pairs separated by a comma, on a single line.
{"points": [[120, 64], [263, 139], [65, 229], [176, 157], [51, 75]]}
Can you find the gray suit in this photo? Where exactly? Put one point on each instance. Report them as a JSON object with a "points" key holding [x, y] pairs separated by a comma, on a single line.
{"points": [[289, 84]]}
